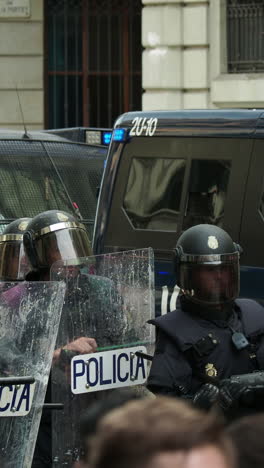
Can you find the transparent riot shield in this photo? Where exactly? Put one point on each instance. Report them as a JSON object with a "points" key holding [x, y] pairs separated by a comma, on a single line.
{"points": [[29, 320], [109, 298]]}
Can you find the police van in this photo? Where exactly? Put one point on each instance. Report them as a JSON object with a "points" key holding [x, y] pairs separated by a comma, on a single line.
{"points": [[167, 171], [55, 169]]}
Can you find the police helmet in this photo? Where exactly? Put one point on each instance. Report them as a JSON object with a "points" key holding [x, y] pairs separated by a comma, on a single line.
{"points": [[14, 264], [207, 265], [55, 235]]}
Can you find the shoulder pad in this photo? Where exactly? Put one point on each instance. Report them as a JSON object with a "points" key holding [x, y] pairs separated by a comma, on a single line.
{"points": [[181, 328], [252, 315]]}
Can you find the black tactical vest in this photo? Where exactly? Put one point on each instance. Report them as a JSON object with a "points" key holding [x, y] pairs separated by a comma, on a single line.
{"points": [[192, 351]]}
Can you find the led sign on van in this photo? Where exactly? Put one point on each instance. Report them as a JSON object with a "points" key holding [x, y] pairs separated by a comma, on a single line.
{"points": [[106, 138], [143, 126], [119, 134], [93, 137], [98, 137]]}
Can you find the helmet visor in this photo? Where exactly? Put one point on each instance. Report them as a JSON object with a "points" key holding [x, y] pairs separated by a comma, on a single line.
{"points": [[14, 264], [62, 245], [211, 282]]}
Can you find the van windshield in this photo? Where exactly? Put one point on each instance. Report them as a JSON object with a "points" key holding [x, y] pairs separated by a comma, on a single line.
{"points": [[30, 183]]}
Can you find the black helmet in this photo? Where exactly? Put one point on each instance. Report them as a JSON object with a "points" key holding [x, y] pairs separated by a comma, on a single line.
{"points": [[55, 235], [207, 265], [14, 264]]}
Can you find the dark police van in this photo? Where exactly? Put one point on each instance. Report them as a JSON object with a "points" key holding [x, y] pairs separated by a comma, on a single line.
{"points": [[55, 169], [167, 171]]}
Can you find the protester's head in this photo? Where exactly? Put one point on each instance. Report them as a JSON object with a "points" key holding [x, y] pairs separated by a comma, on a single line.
{"points": [[247, 436], [91, 417], [55, 235], [14, 264], [160, 433]]}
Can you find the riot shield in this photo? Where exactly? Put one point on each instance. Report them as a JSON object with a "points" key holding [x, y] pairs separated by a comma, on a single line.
{"points": [[29, 320], [110, 298]]}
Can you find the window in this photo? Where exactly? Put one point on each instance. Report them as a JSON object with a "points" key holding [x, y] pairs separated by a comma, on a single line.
{"points": [[28, 181], [31, 184], [93, 61], [153, 194], [207, 192], [245, 39], [81, 170]]}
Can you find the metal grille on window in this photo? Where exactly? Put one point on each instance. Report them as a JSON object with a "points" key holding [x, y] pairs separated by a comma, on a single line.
{"points": [[93, 65], [32, 185], [28, 180], [245, 36], [81, 169]]}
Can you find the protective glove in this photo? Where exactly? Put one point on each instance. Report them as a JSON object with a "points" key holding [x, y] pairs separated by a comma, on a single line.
{"points": [[206, 396], [254, 397], [231, 394]]}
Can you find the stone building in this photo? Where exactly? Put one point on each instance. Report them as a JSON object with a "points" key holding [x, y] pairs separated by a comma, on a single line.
{"points": [[83, 62], [203, 54]]}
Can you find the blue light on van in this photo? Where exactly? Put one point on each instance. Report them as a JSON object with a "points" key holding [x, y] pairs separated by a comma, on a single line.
{"points": [[119, 134], [106, 138], [163, 272]]}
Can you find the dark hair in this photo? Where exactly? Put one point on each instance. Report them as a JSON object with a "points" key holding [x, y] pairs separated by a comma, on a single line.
{"points": [[132, 435], [91, 416], [247, 436]]}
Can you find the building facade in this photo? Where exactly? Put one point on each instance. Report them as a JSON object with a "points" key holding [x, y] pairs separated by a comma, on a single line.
{"points": [[203, 54], [83, 62], [21, 64]]}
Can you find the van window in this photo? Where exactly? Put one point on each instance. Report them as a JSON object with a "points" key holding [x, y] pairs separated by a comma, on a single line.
{"points": [[207, 192], [28, 181], [34, 174], [81, 169], [153, 193]]}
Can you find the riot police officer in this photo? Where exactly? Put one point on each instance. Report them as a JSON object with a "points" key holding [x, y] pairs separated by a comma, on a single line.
{"points": [[211, 335], [14, 264], [52, 236], [25, 327], [55, 241]]}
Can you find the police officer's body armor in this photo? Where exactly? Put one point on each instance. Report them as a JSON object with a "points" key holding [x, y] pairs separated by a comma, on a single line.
{"points": [[211, 335], [191, 351]]}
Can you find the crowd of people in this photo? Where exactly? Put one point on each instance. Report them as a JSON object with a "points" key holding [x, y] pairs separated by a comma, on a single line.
{"points": [[164, 432], [194, 415]]}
